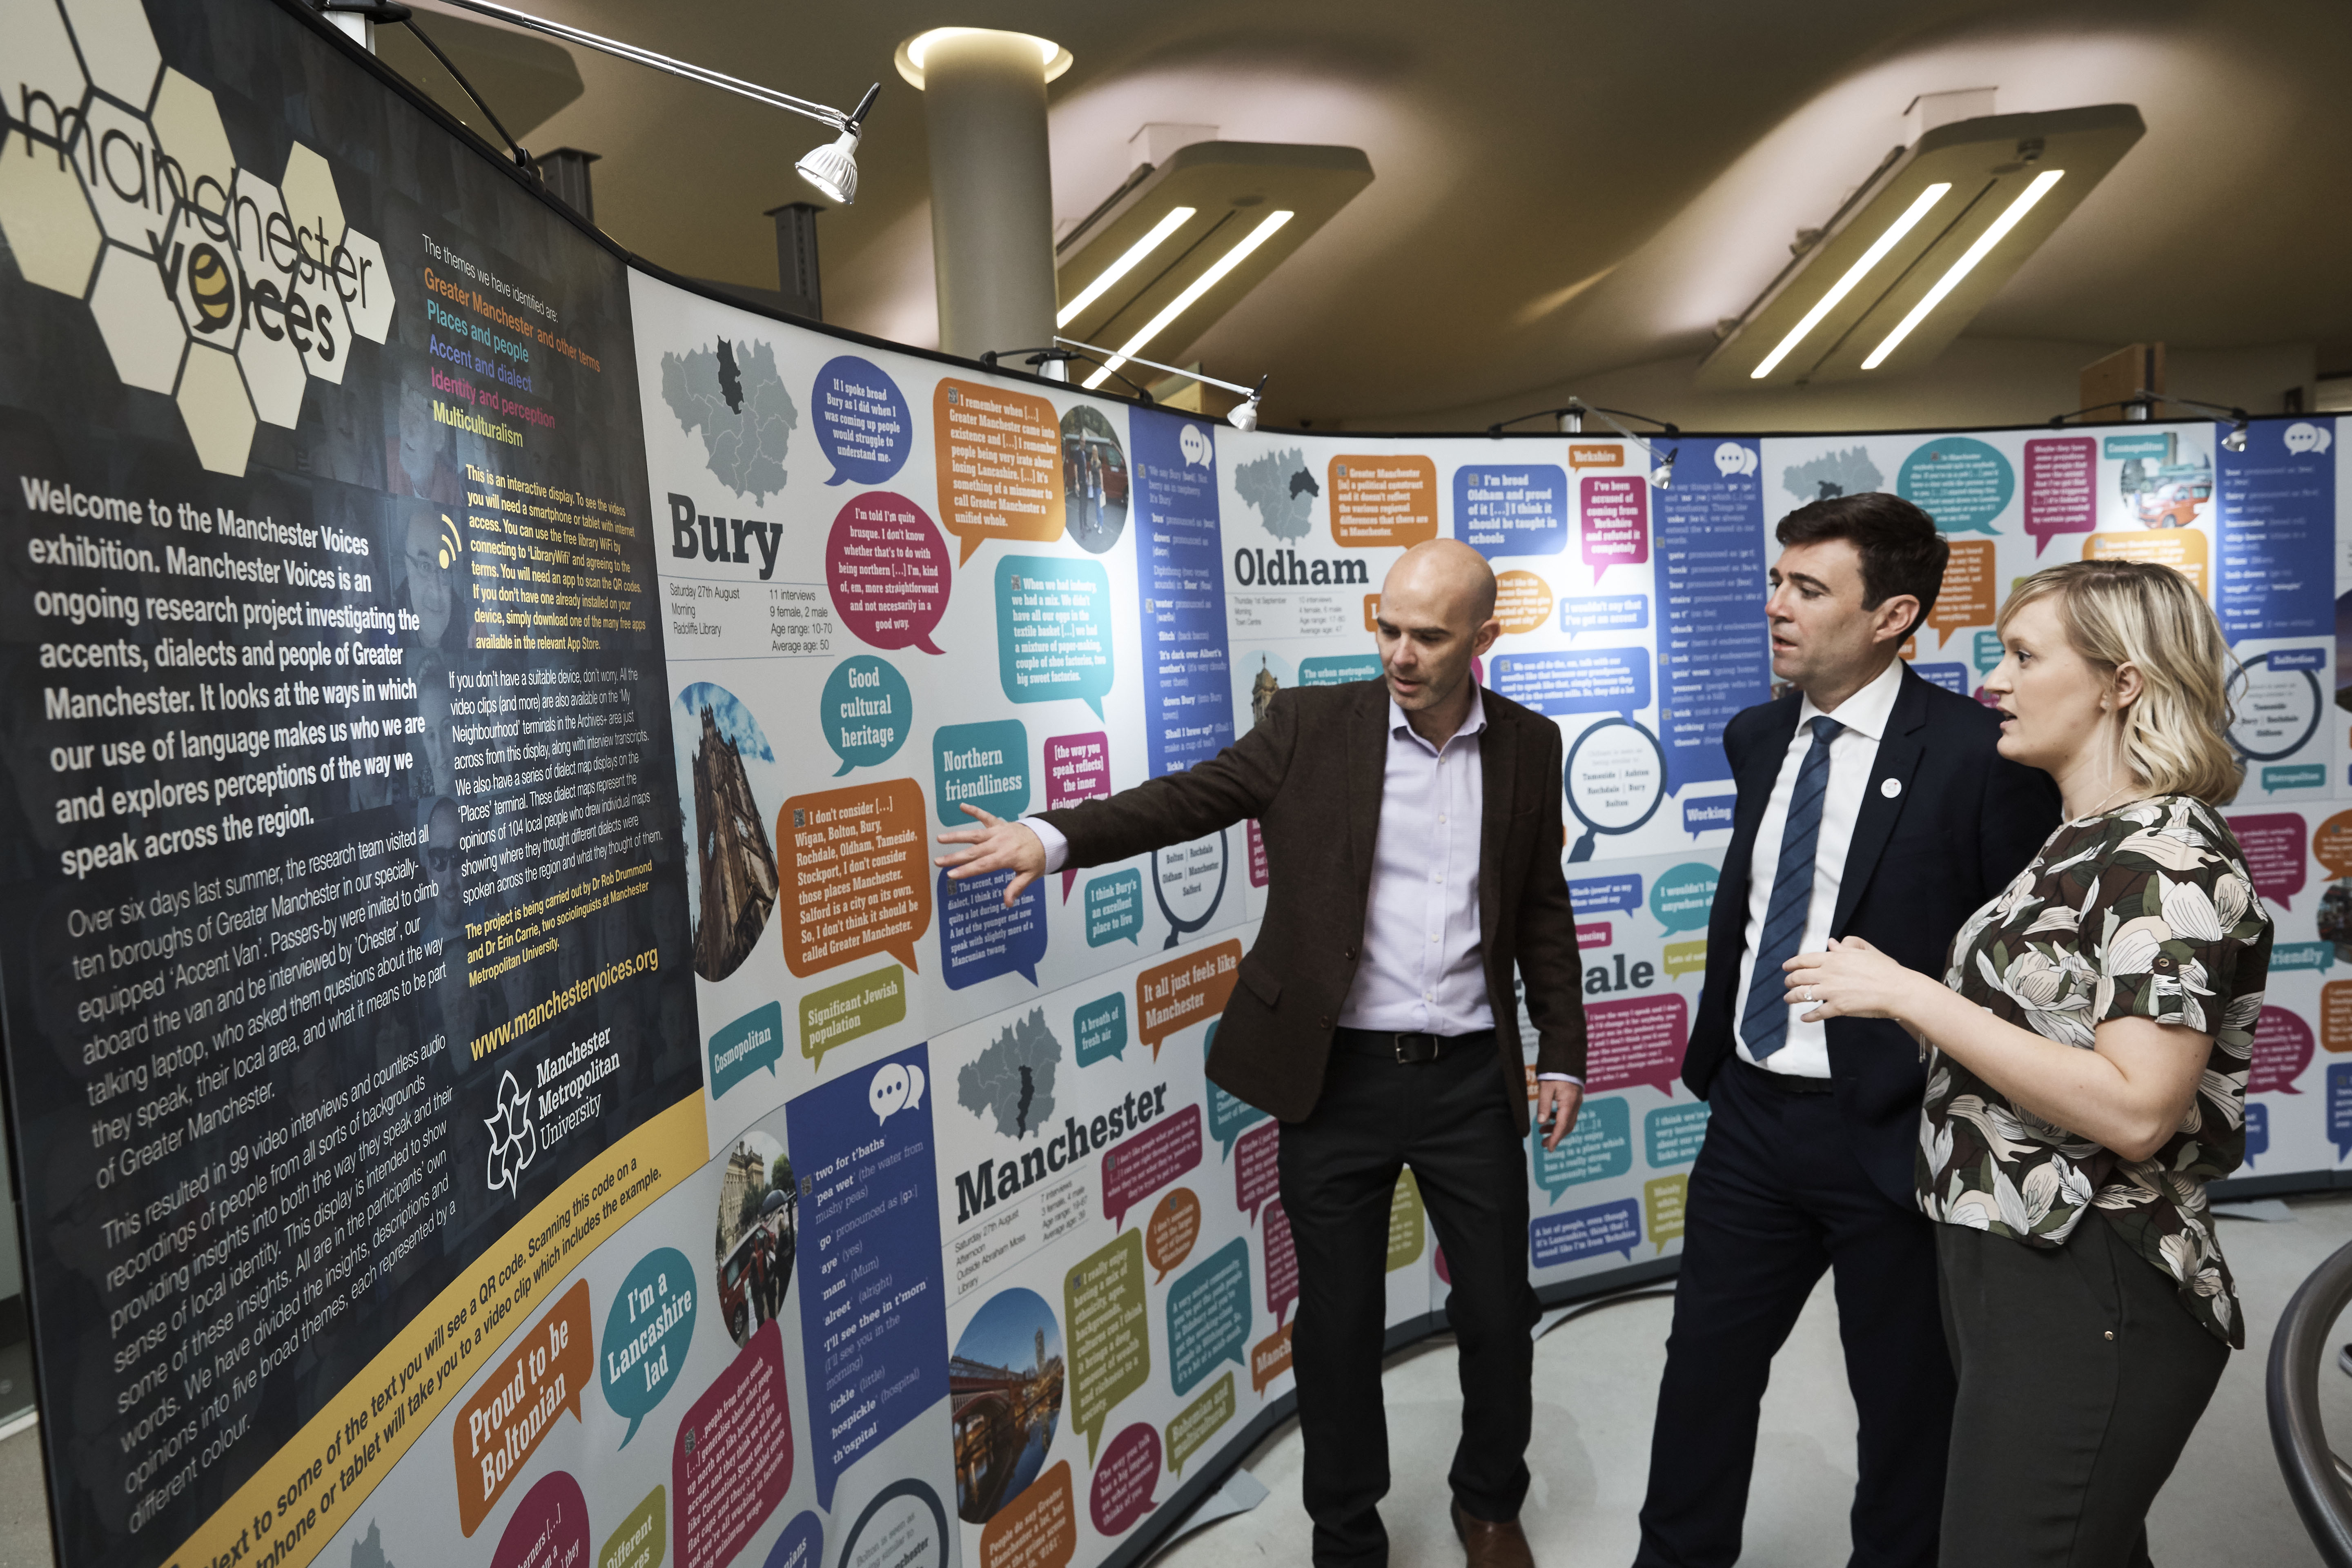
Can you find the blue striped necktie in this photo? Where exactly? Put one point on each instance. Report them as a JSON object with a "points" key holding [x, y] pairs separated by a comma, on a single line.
{"points": [[1766, 1026]]}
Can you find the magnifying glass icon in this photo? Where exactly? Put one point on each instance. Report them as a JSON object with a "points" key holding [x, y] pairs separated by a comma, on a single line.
{"points": [[1615, 777]]}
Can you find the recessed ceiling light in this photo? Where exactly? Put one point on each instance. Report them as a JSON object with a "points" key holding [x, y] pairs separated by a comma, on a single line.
{"points": [[1054, 58], [1199, 286], [1965, 264], [1126, 264], [1853, 275]]}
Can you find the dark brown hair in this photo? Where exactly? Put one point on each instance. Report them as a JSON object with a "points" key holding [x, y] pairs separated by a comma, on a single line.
{"points": [[1901, 551]]}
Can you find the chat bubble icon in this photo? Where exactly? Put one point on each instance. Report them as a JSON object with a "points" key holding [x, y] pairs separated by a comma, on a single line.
{"points": [[851, 1009], [1604, 613], [642, 1540], [1511, 509], [1966, 598], [895, 1087], [1613, 519], [1952, 677], [864, 710], [1682, 897], [1522, 601], [1114, 908], [1680, 958], [1209, 1316], [1194, 442], [1140, 1164], [1052, 630], [984, 765], [1124, 1478], [1407, 1223], [1589, 681], [1037, 1529], [1281, 1264], [1257, 1169], [1168, 1234], [2339, 1108], [2185, 550], [1078, 767], [1598, 895], [2283, 1047], [903, 1524], [1601, 1146], [861, 422], [1186, 989], [1385, 501], [550, 1525], [732, 1461], [2061, 481], [800, 1545], [2290, 956], [1596, 454], [1672, 1133], [2271, 843], [1105, 1302], [1577, 1234], [1708, 814], [2331, 845], [2336, 1017], [1959, 481], [515, 1408], [1270, 1358], [1989, 653], [1000, 458], [885, 567], [1338, 669], [2258, 1133], [1736, 458], [1229, 1116], [1639, 1040], [979, 939], [1098, 1029], [1194, 1424], [647, 1331], [1664, 1201], [867, 892], [2302, 436], [753, 1041]]}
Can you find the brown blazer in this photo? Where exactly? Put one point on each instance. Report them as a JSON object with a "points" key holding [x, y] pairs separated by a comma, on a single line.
{"points": [[1311, 774]]}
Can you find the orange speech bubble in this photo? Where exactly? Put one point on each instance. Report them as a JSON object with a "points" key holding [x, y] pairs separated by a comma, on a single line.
{"points": [[1596, 454], [2332, 844], [1038, 1529], [1966, 597], [1522, 601], [1000, 460], [1270, 1357], [2182, 549], [2336, 1016], [851, 863], [498, 1429], [1188, 990], [1169, 1235], [1383, 501], [1372, 612]]}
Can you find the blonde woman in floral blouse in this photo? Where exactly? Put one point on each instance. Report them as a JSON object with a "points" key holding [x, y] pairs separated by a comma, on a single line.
{"points": [[2086, 1077]]}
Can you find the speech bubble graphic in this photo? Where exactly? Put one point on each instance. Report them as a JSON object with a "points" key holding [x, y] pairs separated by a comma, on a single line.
{"points": [[1078, 767], [2283, 1047], [1186, 989], [2062, 480], [1000, 457], [979, 939], [2331, 845], [2339, 1108], [864, 710], [1052, 630], [514, 1410], [861, 422], [1682, 897], [1522, 601], [904, 1524], [2289, 956], [1989, 653], [1952, 677], [2304, 436], [1194, 1424], [1593, 934], [1124, 1478], [887, 569], [1383, 501], [753, 1041], [1639, 1040], [642, 1540], [1604, 613], [1734, 458], [1114, 908], [1664, 1201], [984, 765], [1672, 1133], [550, 1526], [732, 1461], [895, 1087], [1596, 895], [2336, 1017], [1257, 1169], [1680, 958], [1966, 598], [1513, 510], [1957, 481], [1098, 1029], [1614, 513], [849, 1010], [1168, 1234], [2302, 775], [1140, 1164], [1338, 669], [1281, 1264], [1229, 1116], [1407, 1223], [1038, 1529], [1601, 1146], [1589, 680], [1270, 1358], [2185, 550], [2273, 843], [1209, 1316], [1596, 454], [647, 1331], [1557, 1238], [1106, 1307], [1260, 874], [1708, 812], [1194, 442], [868, 892], [2258, 1133]]}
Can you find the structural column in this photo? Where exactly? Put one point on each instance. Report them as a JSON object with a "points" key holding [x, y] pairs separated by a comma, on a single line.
{"points": [[991, 189]]}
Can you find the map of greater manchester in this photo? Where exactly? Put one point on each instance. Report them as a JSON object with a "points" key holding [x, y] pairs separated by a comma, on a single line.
{"points": [[1282, 489], [739, 404], [1847, 473], [1013, 1080]]}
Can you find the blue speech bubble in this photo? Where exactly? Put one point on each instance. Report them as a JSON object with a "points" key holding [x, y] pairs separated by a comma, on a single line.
{"points": [[861, 421], [1989, 652], [1957, 481], [1557, 1238], [1114, 908], [1605, 613], [1511, 509], [2258, 1131], [980, 938], [1596, 680], [1706, 813], [753, 1041], [1952, 677], [2288, 955], [2298, 775], [2314, 659], [1209, 1316], [2339, 1108], [1338, 669], [802, 1545], [1672, 1133], [1597, 895], [866, 712], [1098, 1029], [984, 765], [1601, 1147], [1682, 898], [647, 1331], [1053, 629], [1228, 1117]]}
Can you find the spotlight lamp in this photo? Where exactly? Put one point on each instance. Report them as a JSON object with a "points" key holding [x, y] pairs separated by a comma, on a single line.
{"points": [[1570, 416]]}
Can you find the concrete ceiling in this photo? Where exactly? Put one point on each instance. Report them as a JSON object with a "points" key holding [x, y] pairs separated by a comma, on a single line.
{"points": [[1562, 188]]}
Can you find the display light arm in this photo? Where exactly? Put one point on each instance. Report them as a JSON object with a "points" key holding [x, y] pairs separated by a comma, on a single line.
{"points": [[2146, 401], [1048, 361], [1244, 417], [386, 13], [1571, 413]]}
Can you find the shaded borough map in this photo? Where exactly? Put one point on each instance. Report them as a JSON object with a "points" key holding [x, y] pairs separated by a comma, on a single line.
{"points": [[1847, 473], [1013, 1080], [1282, 489], [740, 407]]}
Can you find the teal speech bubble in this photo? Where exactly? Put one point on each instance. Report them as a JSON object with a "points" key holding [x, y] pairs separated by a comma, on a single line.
{"points": [[1115, 908], [866, 711], [1601, 1146], [647, 1331], [1682, 897], [753, 1041], [985, 765], [1053, 629], [1672, 1133], [1099, 1029], [1960, 482], [2289, 955], [1989, 652], [1209, 1316], [2155, 444], [1338, 669], [1228, 1118], [2300, 775]]}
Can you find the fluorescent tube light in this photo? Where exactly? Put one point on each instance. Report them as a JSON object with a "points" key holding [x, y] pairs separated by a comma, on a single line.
{"points": [[1966, 264], [1182, 302], [1853, 275], [1125, 263]]}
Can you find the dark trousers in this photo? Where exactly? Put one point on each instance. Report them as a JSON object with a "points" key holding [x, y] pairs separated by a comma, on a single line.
{"points": [[1776, 1197], [2080, 1378], [1448, 1119]]}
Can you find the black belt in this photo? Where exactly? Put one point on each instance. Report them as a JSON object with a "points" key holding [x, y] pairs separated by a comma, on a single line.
{"points": [[1785, 1082], [1413, 1051]]}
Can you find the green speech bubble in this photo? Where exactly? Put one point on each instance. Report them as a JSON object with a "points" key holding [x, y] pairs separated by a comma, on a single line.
{"points": [[1663, 1201], [1408, 1228], [1198, 1422], [1683, 958], [1104, 1305], [835, 1014], [638, 1539]]}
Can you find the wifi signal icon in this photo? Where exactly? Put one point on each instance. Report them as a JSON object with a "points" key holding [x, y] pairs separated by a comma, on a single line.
{"points": [[451, 545]]}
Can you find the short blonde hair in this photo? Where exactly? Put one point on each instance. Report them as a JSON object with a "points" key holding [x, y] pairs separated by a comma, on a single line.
{"points": [[2137, 613]]}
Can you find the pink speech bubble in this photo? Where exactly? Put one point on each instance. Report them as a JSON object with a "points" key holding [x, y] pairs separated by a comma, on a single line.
{"points": [[1437, 1256], [887, 567], [1124, 1477], [1281, 1262], [1638, 1041], [1078, 767], [1257, 1167], [1616, 527], [1591, 934], [2061, 484], [2283, 1047], [732, 1461], [1258, 871], [1135, 1168], [549, 1526], [2273, 845]]}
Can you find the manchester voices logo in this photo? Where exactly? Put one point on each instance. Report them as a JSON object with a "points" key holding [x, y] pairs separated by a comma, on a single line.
{"points": [[209, 284]]}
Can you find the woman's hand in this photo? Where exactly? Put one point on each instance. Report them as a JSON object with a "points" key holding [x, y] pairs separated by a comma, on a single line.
{"points": [[1851, 980]]}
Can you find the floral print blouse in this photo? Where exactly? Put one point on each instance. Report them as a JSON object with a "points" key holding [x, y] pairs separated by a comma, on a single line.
{"points": [[2146, 911]]}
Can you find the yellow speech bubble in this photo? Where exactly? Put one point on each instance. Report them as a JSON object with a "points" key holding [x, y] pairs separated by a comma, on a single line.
{"points": [[1680, 958], [1662, 1203], [2182, 549]]}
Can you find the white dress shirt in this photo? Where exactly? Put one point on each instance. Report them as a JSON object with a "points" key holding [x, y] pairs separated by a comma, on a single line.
{"points": [[1854, 752]]}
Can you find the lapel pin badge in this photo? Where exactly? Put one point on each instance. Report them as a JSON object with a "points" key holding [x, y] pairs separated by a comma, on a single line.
{"points": [[1890, 788]]}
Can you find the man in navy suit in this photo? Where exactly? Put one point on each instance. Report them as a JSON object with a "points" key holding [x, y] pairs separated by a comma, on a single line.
{"points": [[1871, 804]]}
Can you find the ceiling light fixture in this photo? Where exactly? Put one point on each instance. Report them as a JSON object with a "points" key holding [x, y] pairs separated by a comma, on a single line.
{"points": [[1853, 275], [1966, 264], [1199, 286], [1570, 416], [1176, 219], [1052, 56]]}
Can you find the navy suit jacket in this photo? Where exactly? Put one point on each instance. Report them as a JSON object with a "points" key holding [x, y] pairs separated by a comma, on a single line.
{"points": [[1962, 823]]}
